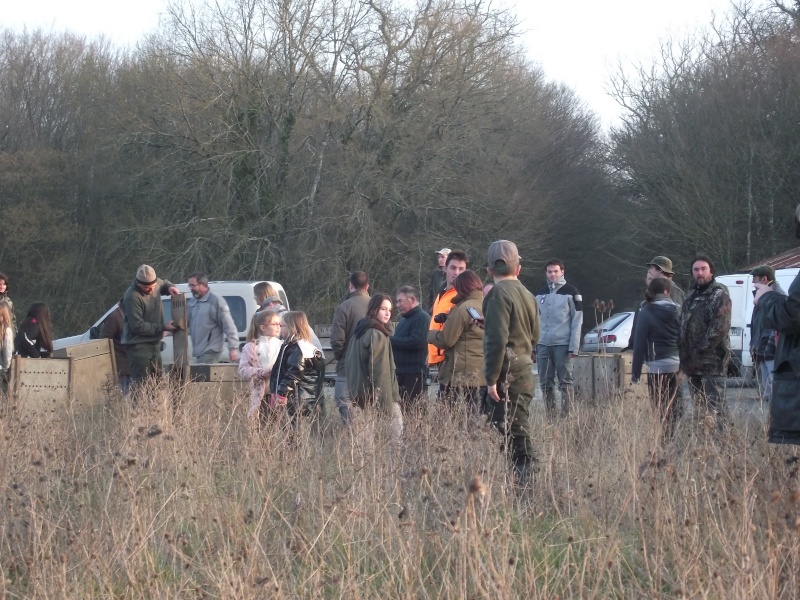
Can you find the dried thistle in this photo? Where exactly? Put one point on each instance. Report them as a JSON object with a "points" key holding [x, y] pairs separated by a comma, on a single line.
{"points": [[476, 487]]}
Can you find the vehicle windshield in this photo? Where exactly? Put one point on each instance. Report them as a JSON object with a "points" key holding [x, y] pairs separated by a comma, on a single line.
{"points": [[612, 322]]}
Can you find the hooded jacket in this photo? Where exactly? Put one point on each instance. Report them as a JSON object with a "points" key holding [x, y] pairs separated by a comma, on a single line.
{"points": [[410, 342], [656, 335], [462, 343], [703, 345], [370, 368]]}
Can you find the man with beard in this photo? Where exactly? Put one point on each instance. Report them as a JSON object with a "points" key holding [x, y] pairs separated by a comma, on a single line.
{"points": [[782, 313], [703, 344], [210, 323]]}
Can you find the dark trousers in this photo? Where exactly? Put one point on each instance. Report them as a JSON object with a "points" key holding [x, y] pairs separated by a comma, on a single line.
{"points": [[667, 402], [708, 393], [412, 386], [510, 417], [144, 360]]}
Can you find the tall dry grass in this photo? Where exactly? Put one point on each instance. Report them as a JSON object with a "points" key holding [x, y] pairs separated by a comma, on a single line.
{"points": [[152, 503]]}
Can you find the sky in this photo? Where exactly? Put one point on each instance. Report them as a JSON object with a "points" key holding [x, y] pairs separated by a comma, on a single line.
{"points": [[579, 43]]}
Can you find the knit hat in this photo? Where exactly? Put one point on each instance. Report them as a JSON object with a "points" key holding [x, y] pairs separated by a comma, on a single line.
{"points": [[503, 257], [764, 271], [146, 275], [663, 263]]}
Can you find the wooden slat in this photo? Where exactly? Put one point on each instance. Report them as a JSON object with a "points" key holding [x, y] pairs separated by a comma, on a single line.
{"points": [[83, 350]]}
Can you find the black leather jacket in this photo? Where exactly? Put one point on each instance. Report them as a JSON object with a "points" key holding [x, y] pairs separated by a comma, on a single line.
{"points": [[299, 379]]}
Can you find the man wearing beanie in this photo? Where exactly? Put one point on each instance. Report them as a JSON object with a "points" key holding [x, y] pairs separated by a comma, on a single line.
{"points": [[144, 323], [762, 339], [511, 323], [703, 344]]}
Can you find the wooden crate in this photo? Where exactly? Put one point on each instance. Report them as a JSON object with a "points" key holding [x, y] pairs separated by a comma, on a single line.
{"points": [[583, 375], [40, 385], [93, 370], [219, 376]]}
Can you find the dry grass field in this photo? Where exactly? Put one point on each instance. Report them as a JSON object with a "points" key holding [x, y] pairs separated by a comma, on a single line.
{"points": [[156, 503]]}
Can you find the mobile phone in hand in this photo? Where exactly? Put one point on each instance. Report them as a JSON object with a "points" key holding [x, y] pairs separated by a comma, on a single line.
{"points": [[473, 312]]}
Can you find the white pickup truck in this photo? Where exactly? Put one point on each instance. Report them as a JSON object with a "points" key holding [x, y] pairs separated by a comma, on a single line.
{"points": [[238, 294]]}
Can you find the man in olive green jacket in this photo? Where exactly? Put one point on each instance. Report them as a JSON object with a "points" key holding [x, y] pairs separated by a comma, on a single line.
{"points": [[511, 320]]}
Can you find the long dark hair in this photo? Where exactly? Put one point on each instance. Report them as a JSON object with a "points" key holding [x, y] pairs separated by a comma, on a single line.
{"points": [[41, 313], [375, 304]]}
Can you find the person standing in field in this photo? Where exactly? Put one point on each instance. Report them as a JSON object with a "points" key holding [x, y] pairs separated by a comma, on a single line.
{"points": [[144, 323], [35, 335], [762, 339], [457, 262], [704, 347], [511, 322], [561, 314], [656, 343], [410, 346], [782, 313], [345, 319], [258, 355]]}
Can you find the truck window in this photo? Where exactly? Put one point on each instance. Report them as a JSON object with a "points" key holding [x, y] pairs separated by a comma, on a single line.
{"points": [[235, 303], [238, 312]]}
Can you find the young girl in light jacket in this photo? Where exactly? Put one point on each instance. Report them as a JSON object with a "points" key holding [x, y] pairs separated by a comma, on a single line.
{"points": [[258, 356]]}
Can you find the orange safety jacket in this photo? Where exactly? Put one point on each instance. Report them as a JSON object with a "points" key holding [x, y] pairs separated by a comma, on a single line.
{"points": [[442, 304]]}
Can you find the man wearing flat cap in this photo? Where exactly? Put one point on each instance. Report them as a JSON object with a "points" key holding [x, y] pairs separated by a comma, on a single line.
{"points": [[762, 339], [661, 266], [511, 324], [144, 323]]}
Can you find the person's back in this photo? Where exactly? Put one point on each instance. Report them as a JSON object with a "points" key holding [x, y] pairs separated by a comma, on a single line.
{"points": [[345, 319], [511, 320]]}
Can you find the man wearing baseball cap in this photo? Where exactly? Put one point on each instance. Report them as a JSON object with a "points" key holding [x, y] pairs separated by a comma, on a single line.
{"points": [[438, 277], [511, 324], [144, 323]]}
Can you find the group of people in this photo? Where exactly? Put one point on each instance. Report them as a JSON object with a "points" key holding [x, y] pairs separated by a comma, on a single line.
{"points": [[33, 338], [481, 339]]}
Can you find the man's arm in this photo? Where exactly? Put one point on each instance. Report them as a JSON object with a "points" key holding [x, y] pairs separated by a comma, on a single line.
{"points": [[497, 317], [576, 322], [337, 332], [720, 323]]}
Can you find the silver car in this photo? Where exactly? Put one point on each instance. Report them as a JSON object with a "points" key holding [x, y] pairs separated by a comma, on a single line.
{"points": [[612, 335]]}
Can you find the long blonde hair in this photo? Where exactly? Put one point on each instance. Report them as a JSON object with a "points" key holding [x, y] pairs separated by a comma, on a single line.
{"points": [[297, 325]]}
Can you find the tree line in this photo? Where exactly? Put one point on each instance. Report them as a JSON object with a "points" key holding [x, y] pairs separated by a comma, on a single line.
{"points": [[297, 141]]}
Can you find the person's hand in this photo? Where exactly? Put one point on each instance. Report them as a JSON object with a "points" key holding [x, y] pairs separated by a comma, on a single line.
{"points": [[476, 322], [264, 373], [234, 355], [170, 326], [173, 291], [761, 289], [492, 392], [277, 400], [571, 355], [533, 355]]}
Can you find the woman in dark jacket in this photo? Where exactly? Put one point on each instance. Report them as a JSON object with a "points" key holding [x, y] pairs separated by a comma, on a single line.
{"points": [[35, 336], [369, 364], [298, 375], [656, 342], [461, 372]]}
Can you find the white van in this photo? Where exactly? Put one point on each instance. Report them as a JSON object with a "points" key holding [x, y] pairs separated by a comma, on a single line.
{"points": [[740, 288], [238, 294]]}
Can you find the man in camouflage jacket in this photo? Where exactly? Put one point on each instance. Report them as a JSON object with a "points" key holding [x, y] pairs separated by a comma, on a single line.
{"points": [[703, 345]]}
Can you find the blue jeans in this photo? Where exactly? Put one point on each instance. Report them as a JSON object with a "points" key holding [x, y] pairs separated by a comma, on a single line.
{"points": [[766, 367], [341, 393], [553, 361]]}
